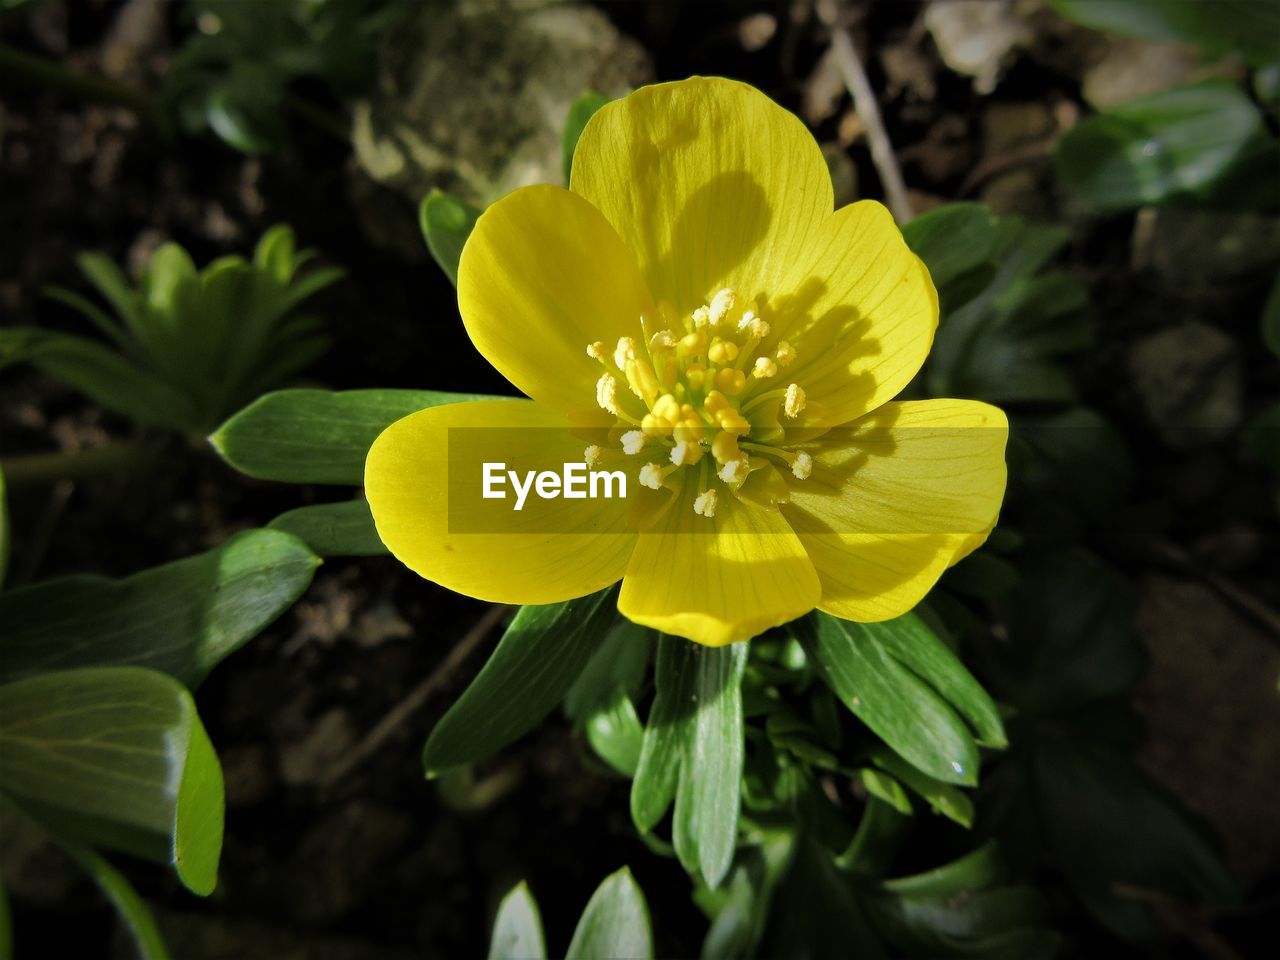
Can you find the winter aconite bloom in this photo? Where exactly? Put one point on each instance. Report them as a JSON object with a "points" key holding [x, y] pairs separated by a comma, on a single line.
{"points": [[694, 314]]}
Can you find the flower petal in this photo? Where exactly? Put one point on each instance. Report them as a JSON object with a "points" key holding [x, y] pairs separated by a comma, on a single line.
{"points": [[860, 311], [895, 498], [716, 580], [708, 181], [541, 276], [424, 481]]}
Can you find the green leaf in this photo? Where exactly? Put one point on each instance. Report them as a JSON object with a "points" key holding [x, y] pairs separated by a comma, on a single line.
{"points": [[881, 785], [182, 617], [952, 240], [543, 651], [129, 906], [616, 734], [909, 640], [446, 223], [1168, 146], [693, 752], [5, 535], [583, 109], [342, 529], [853, 659], [1250, 28], [317, 436], [615, 922], [944, 798], [1271, 319], [517, 930], [974, 871], [116, 757], [618, 664]]}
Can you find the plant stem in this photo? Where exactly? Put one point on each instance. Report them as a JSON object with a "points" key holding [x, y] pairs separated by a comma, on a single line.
{"points": [[41, 469], [48, 74]]}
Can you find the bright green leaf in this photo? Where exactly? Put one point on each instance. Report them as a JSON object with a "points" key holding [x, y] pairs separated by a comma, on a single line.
{"points": [[446, 223], [517, 930], [583, 109], [943, 798], [342, 529], [616, 734], [615, 922], [317, 436], [952, 240], [116, 757], [899, 707], [182, 617], [1170, 145], [542, 652]]}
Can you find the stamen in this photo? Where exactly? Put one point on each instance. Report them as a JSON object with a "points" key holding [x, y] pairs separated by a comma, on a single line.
{"points": [[592, 455], [723, 351], [624, 351], [651, 476], [793, 402], [607, 393], [764, 368], [802, 466], [735, 471], [720, 306], [686, 453], [725, 447], [704, 504], [596, 350], [701, 318], [633, 441], [786, 353], [731, 382], [662, 340], [756, 328]]}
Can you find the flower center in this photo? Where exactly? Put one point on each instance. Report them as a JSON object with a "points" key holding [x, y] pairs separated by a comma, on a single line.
{"points": [[705, 392]]}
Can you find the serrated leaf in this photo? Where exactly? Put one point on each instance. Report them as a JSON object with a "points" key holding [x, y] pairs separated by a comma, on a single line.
{"points": [[517, 930], [952, 240], [899, 707], [583, 109], [446, 223], [116, 757], [317, 436], [181, 618], [333, 529], [1168, 146], [615, 923], [541, 654]]}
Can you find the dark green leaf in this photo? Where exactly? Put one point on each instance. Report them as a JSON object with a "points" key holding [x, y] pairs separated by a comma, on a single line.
{"points": [[952, 240], [182, 617], [740, 907], [446, 223], [539, 657], [693, 752], [317, 436], [975, 871], [943, 798], [334, 529], [615, 733], [615, 922], [1170, 145], [618, 664], [880, 784], [1262, 436], [1250, 28], [4, 529], [982, 575], [583, 109], [517, 930], [116, 757], [896, 704], [1271, 319], [130, 907]]}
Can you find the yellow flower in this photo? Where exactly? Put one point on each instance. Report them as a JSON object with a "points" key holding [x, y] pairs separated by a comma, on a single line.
{"points": [[693, 306]]}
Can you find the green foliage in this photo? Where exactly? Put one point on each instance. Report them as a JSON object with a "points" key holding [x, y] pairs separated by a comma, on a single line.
{"points": [[133, 734], [583, 109], [342, 529], [1206, 142], [181, 618], [4, 530], [517, 930], [1249, 28], [188, 346], [615, 923], [602, 700], [446, 223], [539, 657], [129, 906], [317, 436], [952, 240], [234, 74]]}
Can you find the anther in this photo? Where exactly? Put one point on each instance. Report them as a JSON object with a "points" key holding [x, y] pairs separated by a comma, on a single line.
{"points": [[793, 402], [802, 466], [701, 317], [735, 471], [662, 340], [723, 351], [651, 476], [633, 441], [786, 353], [624, 351], [607, 393], [731, 382], [720, 305], [725, 447], [764, 367], [592, 455], [704, 504], [596, 350], [686, 453]]}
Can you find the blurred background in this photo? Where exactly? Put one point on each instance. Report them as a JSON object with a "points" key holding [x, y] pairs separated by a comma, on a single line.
{"points": [[128, 125]]}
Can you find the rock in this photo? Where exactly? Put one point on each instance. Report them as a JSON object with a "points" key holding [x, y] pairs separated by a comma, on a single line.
{"points": [[1135, 68], [975, 38], [473, 99], [1189, 380]]}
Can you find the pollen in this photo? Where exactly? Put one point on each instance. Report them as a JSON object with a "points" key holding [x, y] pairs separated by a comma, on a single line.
{"points": [[686, 453], [802, 466], [592, 455], [651, 476], [785, 353], [624, 351], [596, 350], [607, 393], [720, 306], [662, 340], [704, 505], [735, 471], [633, 441], [793, 402], [764, 368]]}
